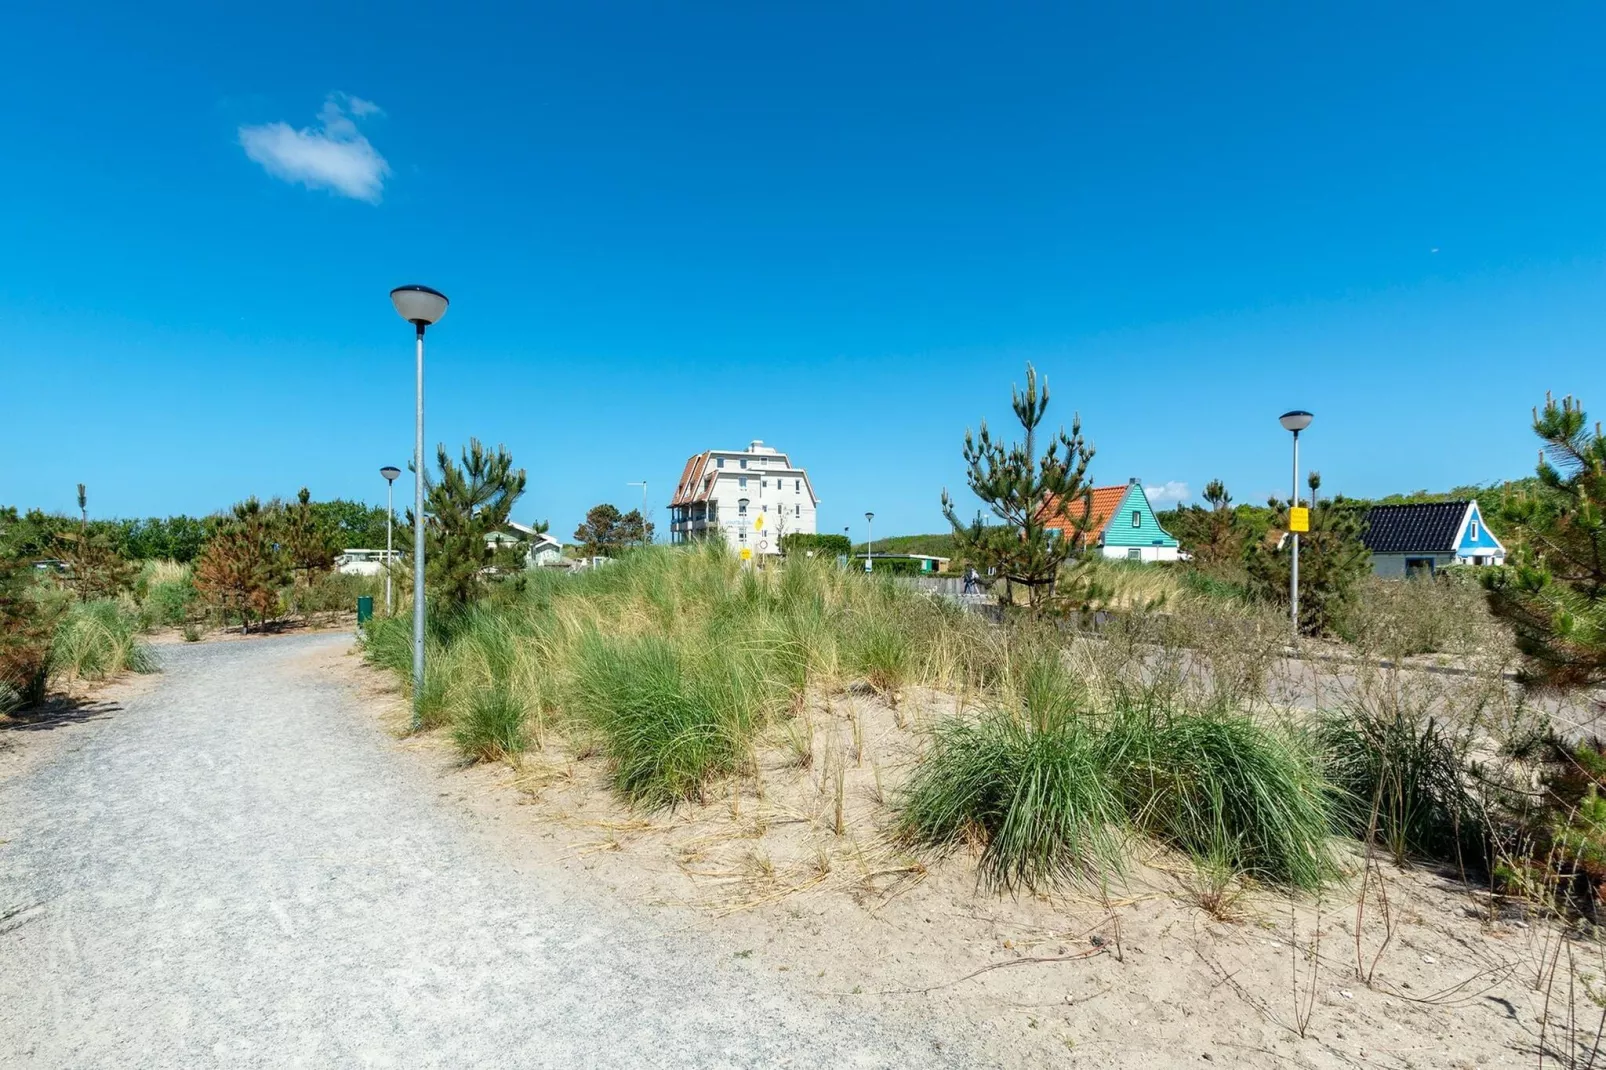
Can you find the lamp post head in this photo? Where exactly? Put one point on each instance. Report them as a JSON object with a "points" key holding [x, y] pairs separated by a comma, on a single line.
{"points": [[869, 517], [419, 305], [1295, 421], [390, 472]]}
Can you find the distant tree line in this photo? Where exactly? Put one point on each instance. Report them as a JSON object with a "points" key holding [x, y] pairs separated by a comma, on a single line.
{"points": [[36, 534]]}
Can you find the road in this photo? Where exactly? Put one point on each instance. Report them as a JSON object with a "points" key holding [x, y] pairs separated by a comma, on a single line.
{"points": [[238, 868]]}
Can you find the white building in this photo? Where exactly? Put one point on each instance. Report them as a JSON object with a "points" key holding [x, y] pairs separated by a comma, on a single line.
{"points": [[750, 498]]}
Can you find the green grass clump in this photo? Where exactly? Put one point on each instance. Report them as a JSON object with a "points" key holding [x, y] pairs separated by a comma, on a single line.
{"points": [[1227, 789], [493, 727], [95, 640], [672, 718], [1404, 784], [1039, 800], [387, 642]]}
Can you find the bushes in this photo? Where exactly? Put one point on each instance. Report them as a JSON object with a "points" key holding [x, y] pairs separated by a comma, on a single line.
{"points": [[672, 719], [1055, 800], [1226, 789], [1038, 800], [97, 639]]}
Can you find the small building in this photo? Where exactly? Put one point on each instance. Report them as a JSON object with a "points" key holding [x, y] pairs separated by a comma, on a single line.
{"points": [[1420, 538], [922, 563], [356, 561], [541, 548], [1121, 524]]}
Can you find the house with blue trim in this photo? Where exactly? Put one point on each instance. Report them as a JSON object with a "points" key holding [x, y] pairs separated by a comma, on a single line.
{"points": [[1121, 524], [1423, 537]]}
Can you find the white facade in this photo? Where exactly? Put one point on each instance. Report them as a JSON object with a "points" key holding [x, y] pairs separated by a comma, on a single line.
{"points": [[750, 498], [1148, 554]]}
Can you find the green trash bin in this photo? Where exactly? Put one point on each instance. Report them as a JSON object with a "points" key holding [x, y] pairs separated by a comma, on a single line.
{"points": [[365, 609]]}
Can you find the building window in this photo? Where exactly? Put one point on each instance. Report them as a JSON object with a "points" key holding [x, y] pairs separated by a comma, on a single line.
{"points": [[1134, 554], [1137, 518], [763, 484], [1474, 531], [741, 481], [797, 510], [744, 462], [719, 462], [797, 486]]}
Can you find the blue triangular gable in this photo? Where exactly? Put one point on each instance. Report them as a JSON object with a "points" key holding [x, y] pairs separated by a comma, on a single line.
{"points": [[1121, 531]]}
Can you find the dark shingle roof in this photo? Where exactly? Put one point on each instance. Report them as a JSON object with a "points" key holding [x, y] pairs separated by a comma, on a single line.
{"points": [[1426, 527]]}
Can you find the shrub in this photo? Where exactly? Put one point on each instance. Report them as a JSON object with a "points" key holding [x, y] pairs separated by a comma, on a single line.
{"points": [[26, 626], [97, 639], [1039, 801], [1226, 789], [672, 718], [1402, 780], [493, 726]]}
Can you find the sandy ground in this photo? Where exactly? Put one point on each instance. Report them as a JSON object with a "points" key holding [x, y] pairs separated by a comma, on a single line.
{"points": [[1141, 975], [238, 867]]}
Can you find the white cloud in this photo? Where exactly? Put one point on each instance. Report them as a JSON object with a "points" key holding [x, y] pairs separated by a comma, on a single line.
{"points": [[334, 155], [1162, 495]]}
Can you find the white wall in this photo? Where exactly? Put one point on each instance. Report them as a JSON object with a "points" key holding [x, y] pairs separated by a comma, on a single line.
{"points": [[1146, 553]]}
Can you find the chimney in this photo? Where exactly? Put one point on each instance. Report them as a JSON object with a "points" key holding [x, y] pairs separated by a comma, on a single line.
{"points": [[1132, 482]]}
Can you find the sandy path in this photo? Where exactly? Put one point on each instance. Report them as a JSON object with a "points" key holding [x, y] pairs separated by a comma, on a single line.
{"points": [[234, 871]]}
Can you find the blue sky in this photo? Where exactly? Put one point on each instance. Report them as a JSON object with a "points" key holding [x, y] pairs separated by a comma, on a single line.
{"points": [[841, 229]]}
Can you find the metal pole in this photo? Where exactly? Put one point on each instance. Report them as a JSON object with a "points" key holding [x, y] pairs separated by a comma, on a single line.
{"points": [[390, 556], [418, 542], [1293, 571], [869, 545]]}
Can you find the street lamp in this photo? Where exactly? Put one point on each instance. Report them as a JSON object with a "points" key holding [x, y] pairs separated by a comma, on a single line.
{"points": [[1295, 421], [390, 472], [420, 306], [643, 485], [869, 542]]}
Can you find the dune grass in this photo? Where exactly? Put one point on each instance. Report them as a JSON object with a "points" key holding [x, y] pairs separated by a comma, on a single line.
{"points": [[1051, 785], [678, 664], [95, 640]]}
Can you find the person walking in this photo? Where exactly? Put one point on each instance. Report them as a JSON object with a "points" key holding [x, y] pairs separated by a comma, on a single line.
{"points": [[970, 579]]}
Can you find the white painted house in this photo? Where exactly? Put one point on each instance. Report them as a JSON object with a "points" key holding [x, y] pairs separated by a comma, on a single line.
{"points": [[750, 498]]}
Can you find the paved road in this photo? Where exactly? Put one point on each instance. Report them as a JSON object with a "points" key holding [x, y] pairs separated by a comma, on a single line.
{"points": [[239, 870]]}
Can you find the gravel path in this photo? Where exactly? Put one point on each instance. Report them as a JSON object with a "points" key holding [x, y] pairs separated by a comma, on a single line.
{"points": [[238, 869]]}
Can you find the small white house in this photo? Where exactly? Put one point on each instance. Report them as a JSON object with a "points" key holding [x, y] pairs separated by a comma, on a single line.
{"points": [[359, 562], [540, 548]]}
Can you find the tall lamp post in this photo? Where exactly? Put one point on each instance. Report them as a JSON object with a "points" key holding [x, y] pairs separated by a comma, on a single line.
{"points": [[869, 542], [390, 472], [420, 306], [643, 485], [1295, 421]]}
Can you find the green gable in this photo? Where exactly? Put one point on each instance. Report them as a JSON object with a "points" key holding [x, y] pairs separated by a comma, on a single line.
{"points": [[1146, 531]]}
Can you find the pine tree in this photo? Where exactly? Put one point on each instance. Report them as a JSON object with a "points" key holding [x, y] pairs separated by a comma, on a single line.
{"points": [[1332, 560], [465, 503], [244, 565], [602, 533], [1026, 493], [94, 567], [307, 539], [1552, 590], [1213, 535]]}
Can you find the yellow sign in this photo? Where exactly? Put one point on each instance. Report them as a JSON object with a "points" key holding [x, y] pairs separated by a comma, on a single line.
{"points": [[1299, 519], [758, 522], [747, 555]]}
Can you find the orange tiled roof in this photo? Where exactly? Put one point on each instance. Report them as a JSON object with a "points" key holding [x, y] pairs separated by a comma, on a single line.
{"points": [[1106, 500]]}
